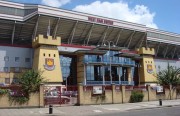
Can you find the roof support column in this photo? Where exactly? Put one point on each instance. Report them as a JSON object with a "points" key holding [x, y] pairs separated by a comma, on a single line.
{"points": [[157, 50], [35, 28], [131, 39], [110, 33], [119, 35], [140, 42], [56, 28], [174, 52], [12, 38], [72, 33], [166, 50], [104, 35], [128, 39], [146, 42], [88, 35]]}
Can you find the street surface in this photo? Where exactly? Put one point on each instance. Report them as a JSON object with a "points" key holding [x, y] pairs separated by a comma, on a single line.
{"points": [[152, 108], [165, 111]]}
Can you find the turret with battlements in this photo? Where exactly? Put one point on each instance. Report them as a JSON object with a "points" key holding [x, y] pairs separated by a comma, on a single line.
{"points": [[46, 58]]}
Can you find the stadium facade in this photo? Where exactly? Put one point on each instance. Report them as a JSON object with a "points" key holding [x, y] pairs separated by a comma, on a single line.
{"points": [[73, 47]]}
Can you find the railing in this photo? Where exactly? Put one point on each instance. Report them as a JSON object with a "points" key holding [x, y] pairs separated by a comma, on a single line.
{"points": [[109, 82], [108, 62]]}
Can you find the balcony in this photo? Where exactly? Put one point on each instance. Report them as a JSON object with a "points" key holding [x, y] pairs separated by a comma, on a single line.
{"points": [[109, 82], [113, 61]]}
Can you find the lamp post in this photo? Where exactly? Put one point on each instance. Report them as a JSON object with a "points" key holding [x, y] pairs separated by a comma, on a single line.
{"points": [[66, 82], [109, 46], [139, 66]]}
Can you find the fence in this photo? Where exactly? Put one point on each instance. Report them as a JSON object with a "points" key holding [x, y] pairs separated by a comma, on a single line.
{"points": [[13, 92], [121, 94]]}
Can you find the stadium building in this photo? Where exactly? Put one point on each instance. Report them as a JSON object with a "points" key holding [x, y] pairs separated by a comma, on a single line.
{"points": [[73, 47]]}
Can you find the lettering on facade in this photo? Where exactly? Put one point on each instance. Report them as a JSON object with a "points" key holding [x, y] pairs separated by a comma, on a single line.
{"points": [[149, 68], [49, 64], [99, 20]]}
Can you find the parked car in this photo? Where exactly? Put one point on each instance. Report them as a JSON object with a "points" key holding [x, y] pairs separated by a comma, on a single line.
{"points": [[54, 97], [70, 93]]}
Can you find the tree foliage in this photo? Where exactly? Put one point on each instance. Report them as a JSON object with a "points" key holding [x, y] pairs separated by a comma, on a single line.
{"points": [[30, 81], [136, 96], [169, 76]]}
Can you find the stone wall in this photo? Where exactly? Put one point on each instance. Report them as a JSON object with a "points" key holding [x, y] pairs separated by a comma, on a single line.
{"points": [[122, 95], [36, 100]]}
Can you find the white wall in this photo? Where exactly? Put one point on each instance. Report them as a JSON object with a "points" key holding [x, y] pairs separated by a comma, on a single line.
{"points": [[13, 52], [162, 63]]}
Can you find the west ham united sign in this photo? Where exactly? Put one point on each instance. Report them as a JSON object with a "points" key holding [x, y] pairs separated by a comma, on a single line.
{"points": [[49, 64], [149, 68]]}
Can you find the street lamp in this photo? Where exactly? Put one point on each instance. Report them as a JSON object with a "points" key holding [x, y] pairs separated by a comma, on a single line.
{"points": [[139, 66], [109, 45]]}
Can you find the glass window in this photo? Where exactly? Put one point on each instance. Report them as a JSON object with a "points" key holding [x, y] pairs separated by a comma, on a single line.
{"points": [[7, 80], [15, 80], [16, 69], [90, 72], [27, 59], [6, 58], [6, 69], [17, 59]]}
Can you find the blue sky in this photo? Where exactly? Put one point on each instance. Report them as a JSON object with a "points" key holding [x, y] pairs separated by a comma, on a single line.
{"points": [[161, 14]]}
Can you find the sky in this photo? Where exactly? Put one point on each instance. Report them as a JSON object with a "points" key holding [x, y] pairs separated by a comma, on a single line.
{"points": [[159, 14]]}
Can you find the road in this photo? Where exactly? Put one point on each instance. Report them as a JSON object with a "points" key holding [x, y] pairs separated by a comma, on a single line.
{"points": [[165, 111], [152, 108]]}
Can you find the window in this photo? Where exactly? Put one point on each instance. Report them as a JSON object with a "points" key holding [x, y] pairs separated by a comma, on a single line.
{"points": [[17, 59], [90, 73], [49, 55], [6, 69], [44, 54], [16, 69], [7, 80], [6, 58], [27, 59], [54, 55], [15, 80]]}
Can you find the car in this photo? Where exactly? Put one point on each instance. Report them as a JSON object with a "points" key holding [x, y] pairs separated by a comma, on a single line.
{"points": [[54, 97]]}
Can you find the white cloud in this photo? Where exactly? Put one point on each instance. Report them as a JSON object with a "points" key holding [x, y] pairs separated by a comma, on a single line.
{"points": [[55, 3], [120, 10]]}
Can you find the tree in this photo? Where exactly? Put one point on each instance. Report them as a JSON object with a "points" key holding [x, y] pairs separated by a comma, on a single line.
{"points": [[30, 81], [169, 76]]}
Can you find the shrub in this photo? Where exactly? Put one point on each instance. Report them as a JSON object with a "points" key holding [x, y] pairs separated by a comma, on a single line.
{"points": [[20, 100], [136, 96], [3, 91]]}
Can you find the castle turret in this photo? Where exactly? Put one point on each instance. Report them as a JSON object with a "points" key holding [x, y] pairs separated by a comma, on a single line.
{"points": [[46, 58], [147, 69]]}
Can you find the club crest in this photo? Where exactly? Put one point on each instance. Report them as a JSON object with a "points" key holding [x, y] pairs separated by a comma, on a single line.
{"points": [[49, 64], [149, 68]]}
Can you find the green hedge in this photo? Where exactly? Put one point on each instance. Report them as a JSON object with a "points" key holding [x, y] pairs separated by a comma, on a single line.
{"points": [[136, 96], [3, 91]]}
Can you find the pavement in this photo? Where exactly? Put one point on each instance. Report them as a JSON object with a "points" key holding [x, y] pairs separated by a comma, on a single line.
{"points": [[88, 110]]}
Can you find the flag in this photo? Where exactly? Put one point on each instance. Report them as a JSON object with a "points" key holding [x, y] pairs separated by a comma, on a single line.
{"points": [[48, 29]]}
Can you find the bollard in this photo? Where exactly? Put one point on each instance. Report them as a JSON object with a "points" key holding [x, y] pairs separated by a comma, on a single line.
{"points": [[160, 102], [50, 109]]}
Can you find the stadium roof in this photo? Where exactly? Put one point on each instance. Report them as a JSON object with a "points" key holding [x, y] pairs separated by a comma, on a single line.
{"points": [[20, 23]]}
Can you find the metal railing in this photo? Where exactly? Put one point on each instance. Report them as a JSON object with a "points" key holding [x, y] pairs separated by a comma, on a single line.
{"points": [[109, 82], [108, 62]]}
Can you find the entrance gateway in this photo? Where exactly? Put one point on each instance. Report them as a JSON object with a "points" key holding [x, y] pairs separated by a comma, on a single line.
{"points": [[46, 59], [89, 67]]}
